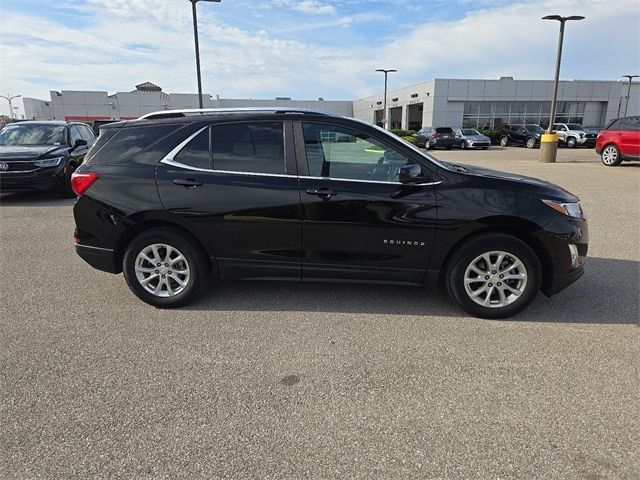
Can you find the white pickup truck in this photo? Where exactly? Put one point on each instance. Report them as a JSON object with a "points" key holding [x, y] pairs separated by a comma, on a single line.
{"points": [[573, 135]]}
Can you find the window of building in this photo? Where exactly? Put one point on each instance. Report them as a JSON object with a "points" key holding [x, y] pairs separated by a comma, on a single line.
{"points": [[256, 147]]}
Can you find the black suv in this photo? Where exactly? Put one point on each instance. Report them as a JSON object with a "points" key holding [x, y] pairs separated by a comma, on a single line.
{"points": [[42, 155], [528, 135], [173, 197]]}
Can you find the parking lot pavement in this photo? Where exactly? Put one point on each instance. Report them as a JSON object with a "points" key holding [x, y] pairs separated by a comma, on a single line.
{"points": [[283, 380]]}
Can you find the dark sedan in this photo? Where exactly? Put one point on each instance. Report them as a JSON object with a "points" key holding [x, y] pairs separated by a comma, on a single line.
{"points": [[42, 155]]}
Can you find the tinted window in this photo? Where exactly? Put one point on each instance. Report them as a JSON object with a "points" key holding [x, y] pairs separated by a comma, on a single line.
{"points": [[104, 136], [633, 123], [196, 152], [444, 130], [86, 132], [128, 141], [249, 147], [74, 133], [618, 124], [340, 152]]}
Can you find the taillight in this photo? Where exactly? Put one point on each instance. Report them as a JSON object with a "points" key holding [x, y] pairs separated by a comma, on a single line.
{"points": [[81, 181]]}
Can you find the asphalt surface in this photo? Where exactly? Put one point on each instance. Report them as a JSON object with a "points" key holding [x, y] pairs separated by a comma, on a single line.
{"points": [[283, 380]]}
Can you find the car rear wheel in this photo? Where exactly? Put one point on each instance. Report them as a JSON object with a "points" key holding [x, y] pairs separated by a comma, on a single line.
{"points": [[531, 142], [494, 276], [164, 268], [571, 142], [504, 141], [611, 156]]}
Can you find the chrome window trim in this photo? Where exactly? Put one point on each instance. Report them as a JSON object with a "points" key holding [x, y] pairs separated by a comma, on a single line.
{"points": [[180, 146], [173, 163]]}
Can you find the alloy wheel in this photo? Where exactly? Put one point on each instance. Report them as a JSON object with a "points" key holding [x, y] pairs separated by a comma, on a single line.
{"points": [[495, 279], [162, 270], [610, 155]]}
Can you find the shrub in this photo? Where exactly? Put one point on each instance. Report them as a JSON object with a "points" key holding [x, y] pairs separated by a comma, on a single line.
{"points": [[409, 139], [494, 135], [402, 133]]}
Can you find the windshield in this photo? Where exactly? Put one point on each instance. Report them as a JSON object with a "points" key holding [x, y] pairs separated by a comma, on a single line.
{"points": [[574, 126], [32, 135], [534, 128], [470, 132]]}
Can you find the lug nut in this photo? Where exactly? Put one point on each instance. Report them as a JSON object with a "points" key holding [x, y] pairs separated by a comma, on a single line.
{"points": [[493, 272], [501, 276], [166, 264], [491, 284], [487, 277], [169, 272], [163, 276], [499, 284], [158, 265], [157, 271]]}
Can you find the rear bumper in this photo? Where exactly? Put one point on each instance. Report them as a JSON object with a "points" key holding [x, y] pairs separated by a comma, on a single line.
{"points": [[99, 258]]}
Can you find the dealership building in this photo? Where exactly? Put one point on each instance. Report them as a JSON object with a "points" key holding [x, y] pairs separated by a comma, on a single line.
{"points": [[439, 102]]}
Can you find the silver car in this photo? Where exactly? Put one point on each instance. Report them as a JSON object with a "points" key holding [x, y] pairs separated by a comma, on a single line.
{"points": [[471, 138]]}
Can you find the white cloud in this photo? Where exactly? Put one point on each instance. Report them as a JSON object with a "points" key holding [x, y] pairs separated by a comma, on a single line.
{"points": [[119, 43]]}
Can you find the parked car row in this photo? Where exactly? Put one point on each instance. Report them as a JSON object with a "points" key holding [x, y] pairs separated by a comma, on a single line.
{"points": [[446, 137]]}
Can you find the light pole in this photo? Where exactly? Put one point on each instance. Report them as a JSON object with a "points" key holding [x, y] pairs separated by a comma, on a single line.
{"points": [[549, 142], [630, 77], [195, 36], [386, 72], [9, 98]]}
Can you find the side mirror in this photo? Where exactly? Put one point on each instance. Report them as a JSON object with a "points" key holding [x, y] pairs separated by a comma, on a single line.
{"points": [[410, 173], [79, 143]]}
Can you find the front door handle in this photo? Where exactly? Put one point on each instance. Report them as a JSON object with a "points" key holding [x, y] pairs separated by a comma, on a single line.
{"points": [[187, 182], [322, 192]]}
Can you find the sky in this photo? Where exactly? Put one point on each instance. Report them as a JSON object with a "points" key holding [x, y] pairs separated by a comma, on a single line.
{"points": [[304, 49]]}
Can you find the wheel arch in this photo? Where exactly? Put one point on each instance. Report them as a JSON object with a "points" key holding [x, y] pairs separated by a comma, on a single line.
{"points": [[520, 229], [144, 225]]}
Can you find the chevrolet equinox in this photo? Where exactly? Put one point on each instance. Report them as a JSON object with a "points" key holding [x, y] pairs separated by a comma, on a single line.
{"points": [[175, 197]]}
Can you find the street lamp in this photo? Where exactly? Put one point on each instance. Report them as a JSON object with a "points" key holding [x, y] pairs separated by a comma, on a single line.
{"points": [[549, 142], [195, 36], [630, 77], [9, 98], [386, 72]]}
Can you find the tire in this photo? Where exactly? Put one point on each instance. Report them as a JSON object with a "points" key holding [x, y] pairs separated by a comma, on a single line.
{"points": [[485, 148], [155, 243], [531, 142], [65, 190], [504, 141], [610, 156], [517, 294], [463, 145], [571, 142], [448, 147]]}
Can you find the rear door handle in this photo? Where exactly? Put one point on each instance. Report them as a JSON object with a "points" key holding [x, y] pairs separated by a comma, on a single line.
{"points": [[322, 192], [187, 182]]}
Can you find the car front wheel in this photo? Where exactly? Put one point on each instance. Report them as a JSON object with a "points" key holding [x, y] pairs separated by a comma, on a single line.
{"points": [[611, 156], [504, 141], [571, 142], [164, 268], [494, 276], [531, 142]]}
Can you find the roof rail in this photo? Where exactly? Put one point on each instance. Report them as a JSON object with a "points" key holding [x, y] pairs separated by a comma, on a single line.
{"points": [[204, 111]]}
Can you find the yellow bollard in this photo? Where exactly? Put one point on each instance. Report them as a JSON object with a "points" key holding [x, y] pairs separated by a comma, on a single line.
{"points": [[548, 148]]}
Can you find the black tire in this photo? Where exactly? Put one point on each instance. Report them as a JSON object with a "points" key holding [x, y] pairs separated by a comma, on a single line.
{"points": [[610, 155], [485, 148], [466, 253], [65, 190], [463, 145], [448, 147], [504, 141], [571, 142], [531, 142], [196, 262]]}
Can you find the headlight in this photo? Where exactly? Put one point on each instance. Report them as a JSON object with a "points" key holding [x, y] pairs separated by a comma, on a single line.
{"points": [[573, 210], [48, 162]]}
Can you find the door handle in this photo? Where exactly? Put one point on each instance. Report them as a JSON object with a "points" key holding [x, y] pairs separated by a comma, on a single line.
{"points": [[187, 182], [322, 192]]}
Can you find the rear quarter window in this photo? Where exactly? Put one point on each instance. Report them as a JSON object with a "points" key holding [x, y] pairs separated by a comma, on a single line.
{"points": [[126, 142]]}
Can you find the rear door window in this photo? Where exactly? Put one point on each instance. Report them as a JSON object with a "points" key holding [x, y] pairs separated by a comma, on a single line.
{"points": [[251, 147], [196, 153]]}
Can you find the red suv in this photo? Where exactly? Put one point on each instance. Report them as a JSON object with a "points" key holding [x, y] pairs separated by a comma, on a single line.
{"points": [[619, 141]]}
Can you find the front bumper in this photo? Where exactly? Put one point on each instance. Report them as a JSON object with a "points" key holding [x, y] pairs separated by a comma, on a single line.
{"points": [[44, 179], [479, 144]]}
